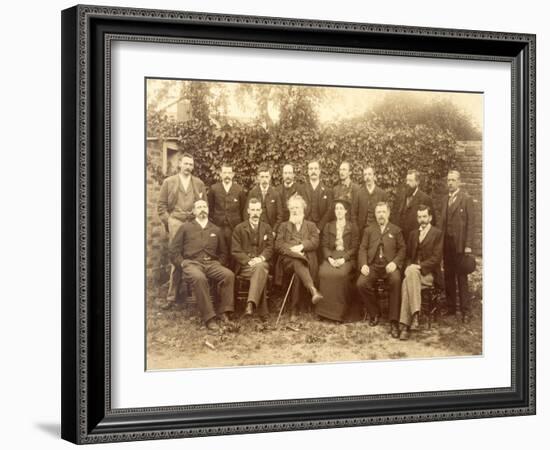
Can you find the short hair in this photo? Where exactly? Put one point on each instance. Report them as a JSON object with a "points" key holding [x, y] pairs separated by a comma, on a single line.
{"points": [[386, 204], [414, 172], [200, 200], [315, 160], [226, 164], [422, 207], [186, 155], [289, 165], [264, 168], [297, 198], [369, 166], [454, 171], [253, 200], [345, 161]]}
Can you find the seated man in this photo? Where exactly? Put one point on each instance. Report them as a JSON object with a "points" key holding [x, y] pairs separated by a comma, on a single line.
{"points": [[297, 242], [381, 255], [252, 248], [200, 250], [424, 253]]}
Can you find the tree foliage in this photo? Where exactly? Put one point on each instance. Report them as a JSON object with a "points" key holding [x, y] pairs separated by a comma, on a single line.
{"points": [[393, 137]]}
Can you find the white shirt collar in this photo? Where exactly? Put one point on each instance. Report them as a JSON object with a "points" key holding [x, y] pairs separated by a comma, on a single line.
{"points": [[184, 181], [227, 186], [371, 190], [314, 185], [454, 194]]}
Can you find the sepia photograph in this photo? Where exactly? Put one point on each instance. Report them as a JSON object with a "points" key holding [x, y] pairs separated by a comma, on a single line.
{"points": [[299, 224]]}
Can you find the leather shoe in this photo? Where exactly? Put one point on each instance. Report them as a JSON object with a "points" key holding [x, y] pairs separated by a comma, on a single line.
{"points": [[414, 323], [249, 309], [373, 321], [404, 334], [225, 318], [211, 325], [394, 330], [316, 296]]}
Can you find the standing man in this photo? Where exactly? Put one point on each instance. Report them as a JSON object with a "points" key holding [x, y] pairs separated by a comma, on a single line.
{"points": [[272, 206], [369, 195], [424, 253], [226, 202], [457, 220], [408, 202], [345, 189], [317, 196], [200, 250], [297, 242], [175, 207], [381, 255], [252, 248], [288, 188]]}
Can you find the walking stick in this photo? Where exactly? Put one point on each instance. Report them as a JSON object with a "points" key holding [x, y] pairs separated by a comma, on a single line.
{"points": [[284, 300]]}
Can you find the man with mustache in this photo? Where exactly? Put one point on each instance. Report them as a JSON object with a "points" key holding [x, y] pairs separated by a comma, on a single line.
{"points": [[424, 253], [288, 188], [381, 255], [297, 242], [345, 189], [200, 250], [457, 221], [252, 249], [226, 202], [368, 196], [175, 207], [408, 202], [272, 207], [318, 197]]}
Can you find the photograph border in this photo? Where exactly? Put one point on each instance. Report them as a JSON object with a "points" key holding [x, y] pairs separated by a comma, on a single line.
{"points": [[87, 35]]}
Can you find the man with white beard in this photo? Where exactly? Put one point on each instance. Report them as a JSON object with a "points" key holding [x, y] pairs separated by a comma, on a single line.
{"points": [[297, 242]]}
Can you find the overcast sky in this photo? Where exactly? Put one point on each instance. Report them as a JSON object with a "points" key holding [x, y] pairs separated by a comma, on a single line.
{"points": [[341, 103]]}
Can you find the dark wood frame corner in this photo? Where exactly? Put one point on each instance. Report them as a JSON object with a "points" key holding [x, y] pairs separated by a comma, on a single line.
{"points": [[87, 33]]}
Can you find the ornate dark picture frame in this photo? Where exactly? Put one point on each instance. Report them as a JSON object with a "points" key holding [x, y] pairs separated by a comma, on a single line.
{"points": [[87, 34]]}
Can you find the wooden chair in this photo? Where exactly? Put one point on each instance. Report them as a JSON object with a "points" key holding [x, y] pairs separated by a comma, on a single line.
{"points": [[430, 303], [242, 285]]}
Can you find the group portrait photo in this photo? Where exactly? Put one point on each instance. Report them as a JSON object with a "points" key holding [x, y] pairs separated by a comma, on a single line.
{"points": [[299, 224]]}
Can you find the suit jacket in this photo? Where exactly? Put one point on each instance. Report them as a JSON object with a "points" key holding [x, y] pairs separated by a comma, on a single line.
{"points": [[285, 194], [457, 220], [242, 246], [226, 209], [394, 245], [405, 216], [272, 206], [168, 195], [427, 253], [362, 211], [190, 240], [309, 238], [350, 238], [325, 203]]}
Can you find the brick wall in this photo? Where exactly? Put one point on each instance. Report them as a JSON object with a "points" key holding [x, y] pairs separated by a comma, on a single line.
{"points": [[470, 165]]}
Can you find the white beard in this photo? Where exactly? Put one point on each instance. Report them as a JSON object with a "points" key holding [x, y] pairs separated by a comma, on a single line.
{"points": [[296, 219]]}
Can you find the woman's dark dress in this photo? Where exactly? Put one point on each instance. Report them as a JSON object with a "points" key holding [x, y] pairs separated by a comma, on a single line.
{"points": [[335, 282]]}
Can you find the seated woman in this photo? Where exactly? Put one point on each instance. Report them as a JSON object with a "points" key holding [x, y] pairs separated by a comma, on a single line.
{"points": [[339, 246]]}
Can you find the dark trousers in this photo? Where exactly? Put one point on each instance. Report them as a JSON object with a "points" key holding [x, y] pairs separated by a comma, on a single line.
{"points": [[258, 278], [451, 261], [366, 285], [198, 274], [302, 280]]}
